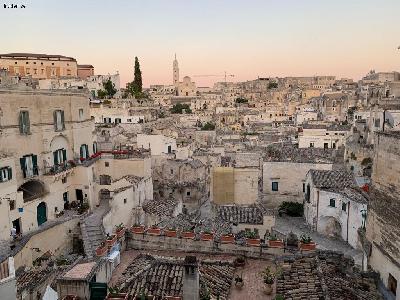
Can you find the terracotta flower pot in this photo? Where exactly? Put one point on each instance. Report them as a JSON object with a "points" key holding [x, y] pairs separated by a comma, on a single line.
{"points": [[188, 235], [206, 236], [307, 247], [102, 250], [138, 229], [253, 242], [111, 240], [268, 289], [228, 239], [154, 231], [120, 233], [275, 244], [170, 233]]}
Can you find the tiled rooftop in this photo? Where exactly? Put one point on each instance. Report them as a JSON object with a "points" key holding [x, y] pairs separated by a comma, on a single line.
{"points": [[331, 179], [242, 214], [80, 271], [288, 153]]}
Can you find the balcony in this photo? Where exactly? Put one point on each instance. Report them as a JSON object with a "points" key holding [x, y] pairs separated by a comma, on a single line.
{"points": [[91, 160], [57, 169]]}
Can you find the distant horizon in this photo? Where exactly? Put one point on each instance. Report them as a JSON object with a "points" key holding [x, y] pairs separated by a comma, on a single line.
{"points": [[252, 38]]}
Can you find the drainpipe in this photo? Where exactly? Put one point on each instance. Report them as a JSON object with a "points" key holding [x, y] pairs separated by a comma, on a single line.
{"points": [[348, 221], [316, 225]]}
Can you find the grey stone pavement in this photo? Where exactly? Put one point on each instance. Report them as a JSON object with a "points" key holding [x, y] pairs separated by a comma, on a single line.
{"points": [[298, 226]]}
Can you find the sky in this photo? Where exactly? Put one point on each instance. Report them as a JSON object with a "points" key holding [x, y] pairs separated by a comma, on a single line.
{"points": [[246, 38]]}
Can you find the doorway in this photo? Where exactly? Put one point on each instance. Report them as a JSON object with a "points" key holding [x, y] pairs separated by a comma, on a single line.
{"points": [[41, 213], [392, 284], [79, 195], [17, 225]]}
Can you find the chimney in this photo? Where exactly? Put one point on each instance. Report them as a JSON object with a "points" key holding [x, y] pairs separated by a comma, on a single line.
{"points": [[191, 282]]}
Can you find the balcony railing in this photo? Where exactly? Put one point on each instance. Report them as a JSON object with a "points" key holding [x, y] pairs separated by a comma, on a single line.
{"points": [[56, 169]]}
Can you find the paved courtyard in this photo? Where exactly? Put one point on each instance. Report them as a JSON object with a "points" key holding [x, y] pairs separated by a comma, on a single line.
{"points": [[298, 226]]}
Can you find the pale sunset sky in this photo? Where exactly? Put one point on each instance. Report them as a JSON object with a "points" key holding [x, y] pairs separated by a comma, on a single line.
{"points": [[247, 38]]}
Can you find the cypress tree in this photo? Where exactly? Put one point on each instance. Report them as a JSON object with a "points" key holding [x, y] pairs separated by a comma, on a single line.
{"points": [[138, 76]]}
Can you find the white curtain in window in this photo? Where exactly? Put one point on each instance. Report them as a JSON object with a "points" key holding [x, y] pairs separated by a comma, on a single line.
{"points": [[28, 166]]}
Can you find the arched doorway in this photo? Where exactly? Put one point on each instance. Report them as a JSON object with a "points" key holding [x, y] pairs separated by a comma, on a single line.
{"points": [[41, 213]]}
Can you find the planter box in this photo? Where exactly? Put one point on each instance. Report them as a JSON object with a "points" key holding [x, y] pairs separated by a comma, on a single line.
{"points": [[275, 244], [121, 233], [154, 231], [101, 251], [253, 242], [119, 296], [188, 235], [170, 233], [206, 236], [228, 239], [138, 229], [307, 247], [112, 241]]}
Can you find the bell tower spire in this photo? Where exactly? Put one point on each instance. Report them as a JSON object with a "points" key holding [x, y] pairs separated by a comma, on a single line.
{"points": [[175, 75]]}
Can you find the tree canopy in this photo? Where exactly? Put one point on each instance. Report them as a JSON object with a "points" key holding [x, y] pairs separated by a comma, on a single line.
{"points": [[208, 126], [179, 108]]}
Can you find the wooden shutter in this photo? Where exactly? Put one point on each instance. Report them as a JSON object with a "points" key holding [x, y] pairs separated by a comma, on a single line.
{"points": [[27, 122], [55, 156], [81, 151], [62, 120], [23, 168], [9, 173], [55, 120], [20, 121], [34, 163], [64, 153]]}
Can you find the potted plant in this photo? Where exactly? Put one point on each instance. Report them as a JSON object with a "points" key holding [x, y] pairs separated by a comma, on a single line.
{"points": [[138, 229], [114, 293], [228, 239], [189, 234], [252, 238], [239, 261], [269, 279], [120, 230], [111, 240], [274, 242], [239, 283], [170, 232], [102, 249], [206, 236], [306, 243], [154, 230]]}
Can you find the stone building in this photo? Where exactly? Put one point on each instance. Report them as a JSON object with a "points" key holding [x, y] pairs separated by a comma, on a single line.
{"points": [[322, 135], [383, 227], [285, 168], [39, 66], [334, 205], [84, 71], [49, 139]]}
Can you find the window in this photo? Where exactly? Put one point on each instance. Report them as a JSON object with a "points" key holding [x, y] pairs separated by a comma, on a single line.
{"points": [[5, 174], [64, 179], [80, 114], [12, 204], [106, 164], [28, 71], [392, 284], [29, 165], [275, 186], [59, 124], [188, 193], [311, 145], [59, 156], [84, 152], [377, 122], [24, 123], [35, 71], [332, 202], [124, 201], [129, 120], [172, 171], [94, 147], [304, 187], [344, 206], [117, 121]]}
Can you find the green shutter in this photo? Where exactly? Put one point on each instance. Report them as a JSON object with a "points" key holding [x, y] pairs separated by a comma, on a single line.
{"points": [[55, 119], [87, 151], [27, 122], [22, 162], [1, 175], [20, 122], [64, 152], [35, 167], [81, 151], [9, 173], [62, 120], [55, 155]]}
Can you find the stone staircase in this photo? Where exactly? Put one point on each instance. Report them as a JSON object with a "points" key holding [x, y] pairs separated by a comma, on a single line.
{"points": [[92, 228]]}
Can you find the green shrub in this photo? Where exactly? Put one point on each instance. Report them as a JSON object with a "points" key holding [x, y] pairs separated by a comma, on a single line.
{"points": [[292, 209]]}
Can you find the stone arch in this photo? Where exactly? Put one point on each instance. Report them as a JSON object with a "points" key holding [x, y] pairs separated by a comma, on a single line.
{"points": [[330, 226], [32, 190]]}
